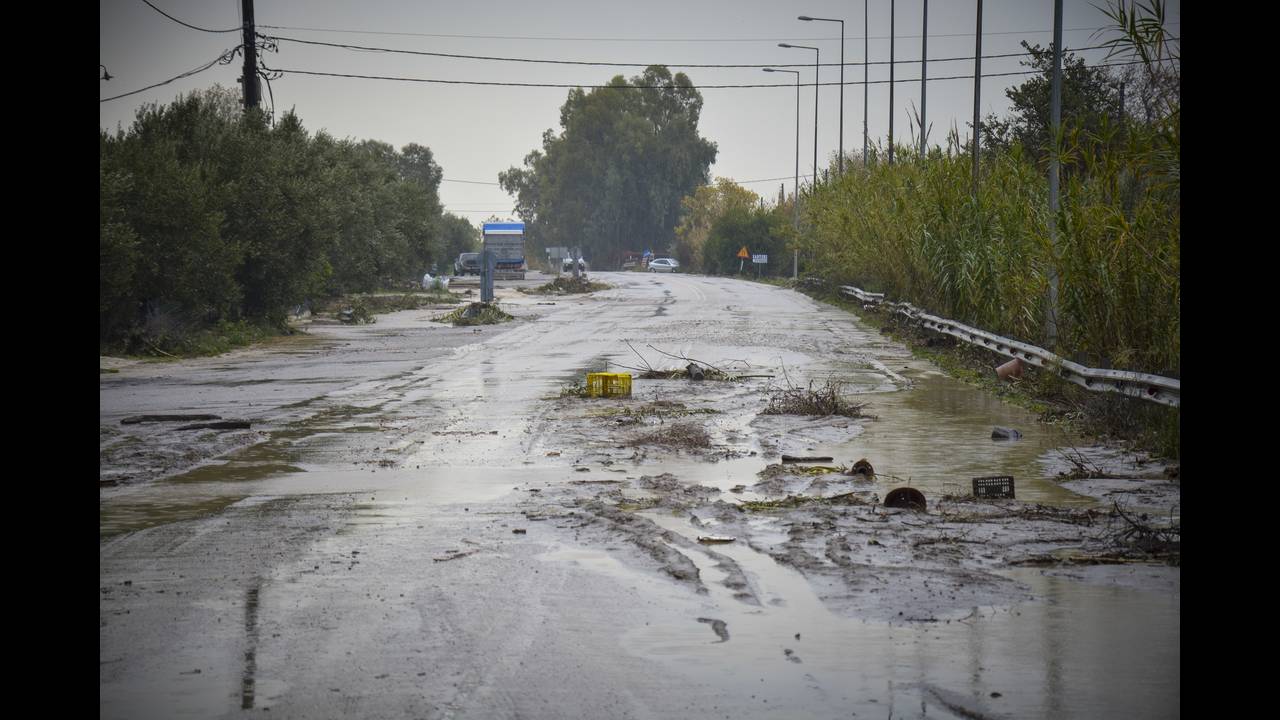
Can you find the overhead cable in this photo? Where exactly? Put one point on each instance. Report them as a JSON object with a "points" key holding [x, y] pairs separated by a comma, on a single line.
{"points": [[495, 83], [193, 27], [225, 58], [367, 48], [697, 40]]}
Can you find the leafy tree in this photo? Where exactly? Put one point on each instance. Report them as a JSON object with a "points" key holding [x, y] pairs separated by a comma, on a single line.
{"points": [[614, 177], [1089, 99], [762, 231], [211, 214], [457, 235], [701, 209]]}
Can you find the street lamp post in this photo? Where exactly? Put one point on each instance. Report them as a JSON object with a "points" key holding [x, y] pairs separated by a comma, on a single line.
{"points": [[816, 54], [806, 18]]}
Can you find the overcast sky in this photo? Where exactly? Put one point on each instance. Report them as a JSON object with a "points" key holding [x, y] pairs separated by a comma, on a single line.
{"points": [[478, 131]]}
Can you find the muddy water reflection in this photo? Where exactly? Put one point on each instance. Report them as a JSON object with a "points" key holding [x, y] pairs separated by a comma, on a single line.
{"points": [[937, 435], [1085, 650]]}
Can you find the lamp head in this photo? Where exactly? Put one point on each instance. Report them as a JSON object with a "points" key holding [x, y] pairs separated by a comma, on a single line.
{"points": [[806, 18]]}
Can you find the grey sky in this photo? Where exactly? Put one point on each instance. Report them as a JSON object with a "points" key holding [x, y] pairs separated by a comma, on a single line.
{"points": [[478, 131]]}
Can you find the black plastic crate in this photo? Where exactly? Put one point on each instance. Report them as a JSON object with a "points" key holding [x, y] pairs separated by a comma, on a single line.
{"points": [[996, 486]]}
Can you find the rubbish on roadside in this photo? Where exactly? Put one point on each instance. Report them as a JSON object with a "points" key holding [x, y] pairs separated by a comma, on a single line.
{"points": [[695, 371], [518, 531], [608, 384], [553, 453], [737, 488], [907, 498], [824, 401], [719, 627], [1011, 369], [995, 486], [1004, 433], [816, 470], [224, 425], [799, 459], [136, 419], [714, 539], [862, 467]]}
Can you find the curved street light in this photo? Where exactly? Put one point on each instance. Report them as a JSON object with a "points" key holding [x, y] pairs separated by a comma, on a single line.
{"points": [[816, 54], [806, 18]]}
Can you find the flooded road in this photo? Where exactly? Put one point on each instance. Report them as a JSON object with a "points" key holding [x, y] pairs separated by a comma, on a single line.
{"points": [[419, 524]]}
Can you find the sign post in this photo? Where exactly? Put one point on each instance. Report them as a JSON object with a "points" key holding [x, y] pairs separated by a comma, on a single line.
{"points": [[759, 260]]}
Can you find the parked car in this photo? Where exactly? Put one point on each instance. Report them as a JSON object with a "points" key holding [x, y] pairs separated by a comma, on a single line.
{"points": [[567, 265], [664, 265], [467, 264]]}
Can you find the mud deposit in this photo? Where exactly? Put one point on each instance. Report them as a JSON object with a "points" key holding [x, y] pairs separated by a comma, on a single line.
{"points": [[420, 524]]}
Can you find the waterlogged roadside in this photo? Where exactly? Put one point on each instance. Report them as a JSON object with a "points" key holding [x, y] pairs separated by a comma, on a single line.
{"points": [[450, 536]]}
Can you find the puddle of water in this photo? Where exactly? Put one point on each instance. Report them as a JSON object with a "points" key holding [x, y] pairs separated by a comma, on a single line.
{"points": [[1083, 651], [220, 486]]}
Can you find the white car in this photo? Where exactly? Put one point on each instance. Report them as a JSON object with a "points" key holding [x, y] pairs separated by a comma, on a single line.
{"points": [[664, 265]]}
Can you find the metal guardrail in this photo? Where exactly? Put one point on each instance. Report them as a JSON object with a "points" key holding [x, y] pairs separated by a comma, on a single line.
{"points": [[1155, 388]]}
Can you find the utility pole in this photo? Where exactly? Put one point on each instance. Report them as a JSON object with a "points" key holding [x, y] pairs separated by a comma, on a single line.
{"points": [[924, 75], [1055, 116], [250, 79], [866, 56], [977, 99], [891, 39]]}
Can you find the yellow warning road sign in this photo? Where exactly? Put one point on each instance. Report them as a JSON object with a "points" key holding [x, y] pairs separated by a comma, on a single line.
{"points": [[743, 253]]}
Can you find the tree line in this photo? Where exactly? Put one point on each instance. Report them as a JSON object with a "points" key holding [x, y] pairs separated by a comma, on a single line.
{"points": [[212, 216]]}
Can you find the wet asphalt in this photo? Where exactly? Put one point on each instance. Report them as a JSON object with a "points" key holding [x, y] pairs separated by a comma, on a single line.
{"points": [[371, 547]]}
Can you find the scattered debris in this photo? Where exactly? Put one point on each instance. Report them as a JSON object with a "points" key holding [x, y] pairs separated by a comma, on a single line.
{"points": [[136, 419], [822, 401], [567, 285], [518, 531], [718, 627], [863, 468], [799, 459], [905, 497], [1139, 535], [224, 425], [677, 435], [357, 313], [995, 486], [715, 539], [454, 555], [476, 313], [693, 369], [792, 501], [1003, 433]]}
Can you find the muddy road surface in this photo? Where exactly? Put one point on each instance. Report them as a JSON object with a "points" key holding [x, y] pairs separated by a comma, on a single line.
{"points": [[426, 521]]}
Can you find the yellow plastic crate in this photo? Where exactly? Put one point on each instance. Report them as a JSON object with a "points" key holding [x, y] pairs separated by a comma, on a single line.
{"points": [[608, 385]]}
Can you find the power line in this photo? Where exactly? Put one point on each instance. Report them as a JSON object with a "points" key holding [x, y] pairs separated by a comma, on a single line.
{"points": [[225, 58], [367, 48], [193, 27], [469, 182], [697, 40], [658, 87]]}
